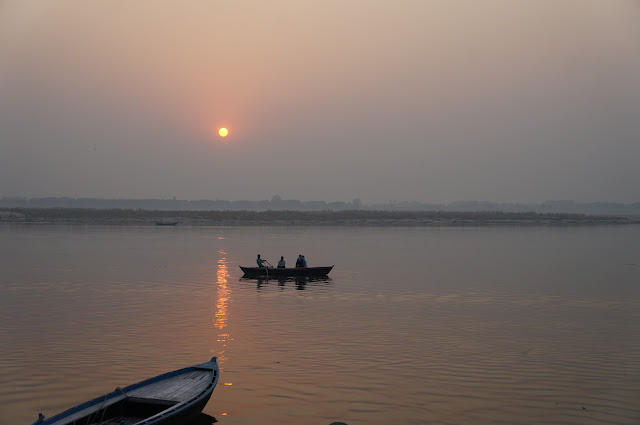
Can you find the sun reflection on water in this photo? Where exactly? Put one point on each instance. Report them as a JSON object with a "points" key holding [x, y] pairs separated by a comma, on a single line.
{"points": [[222, 304]]}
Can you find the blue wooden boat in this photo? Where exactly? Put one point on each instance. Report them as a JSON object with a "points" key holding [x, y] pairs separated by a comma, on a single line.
{"points": [[285, 272], [169, 399]]}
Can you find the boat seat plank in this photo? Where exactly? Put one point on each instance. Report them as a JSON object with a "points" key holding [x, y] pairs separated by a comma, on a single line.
{"points": [[180, 391], [151, 391], [178, 388], [163, 388]]}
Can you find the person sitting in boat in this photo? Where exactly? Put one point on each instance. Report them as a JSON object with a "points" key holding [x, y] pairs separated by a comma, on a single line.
{"points": [[281, 263], [301, 262], [261, 262]]}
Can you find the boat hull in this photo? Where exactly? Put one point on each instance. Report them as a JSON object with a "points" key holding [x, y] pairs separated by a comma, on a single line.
{"points": [[285, 272], [172, 398]]}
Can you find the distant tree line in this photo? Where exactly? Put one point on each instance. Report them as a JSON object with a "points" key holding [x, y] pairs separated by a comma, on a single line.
{"points": [[92, 215], [276, 203]]}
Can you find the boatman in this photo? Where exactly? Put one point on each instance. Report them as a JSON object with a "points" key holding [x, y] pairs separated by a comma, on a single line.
{"points": [[260, 261]]}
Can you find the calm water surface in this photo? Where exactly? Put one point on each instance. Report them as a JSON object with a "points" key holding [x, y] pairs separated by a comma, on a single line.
{"points": [[488, 325]]}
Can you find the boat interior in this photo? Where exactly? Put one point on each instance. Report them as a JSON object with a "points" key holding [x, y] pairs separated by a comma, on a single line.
{"points": [[126, 412]]}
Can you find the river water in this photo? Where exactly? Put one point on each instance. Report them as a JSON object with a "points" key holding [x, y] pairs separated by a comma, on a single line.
{"points": [[415, 325]]}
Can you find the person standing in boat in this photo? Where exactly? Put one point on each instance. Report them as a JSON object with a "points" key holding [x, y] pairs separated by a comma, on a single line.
{"points": [[281, 263], [261, 262]]}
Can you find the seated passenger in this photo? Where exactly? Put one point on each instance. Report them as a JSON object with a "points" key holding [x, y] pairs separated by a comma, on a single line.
{"points": [[281, 263]]}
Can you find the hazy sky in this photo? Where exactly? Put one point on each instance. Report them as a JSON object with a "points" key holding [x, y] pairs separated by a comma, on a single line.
{"points": [[427, 100]]}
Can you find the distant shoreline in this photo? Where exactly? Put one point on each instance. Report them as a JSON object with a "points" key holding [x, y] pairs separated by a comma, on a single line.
{"points": [[125, 217]]}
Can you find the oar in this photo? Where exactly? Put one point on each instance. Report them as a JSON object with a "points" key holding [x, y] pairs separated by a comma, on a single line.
{"points": [[267, 268]]}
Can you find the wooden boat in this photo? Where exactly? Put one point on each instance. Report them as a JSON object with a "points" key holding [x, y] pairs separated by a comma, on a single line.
{"points": [[167, 223], [288, 271], [171, 398]]}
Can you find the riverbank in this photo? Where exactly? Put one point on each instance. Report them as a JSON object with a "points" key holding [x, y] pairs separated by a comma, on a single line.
{"points": [[298, 218]]}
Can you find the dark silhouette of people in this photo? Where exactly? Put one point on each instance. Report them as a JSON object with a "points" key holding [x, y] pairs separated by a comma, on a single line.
{"points": [[301, 261]]}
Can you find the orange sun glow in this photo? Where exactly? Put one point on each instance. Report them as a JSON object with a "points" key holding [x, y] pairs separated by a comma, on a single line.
{"points": [[223, 132]]}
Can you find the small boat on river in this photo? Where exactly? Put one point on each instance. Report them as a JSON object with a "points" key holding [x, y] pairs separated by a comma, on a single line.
{"points": [[167, 223], [171, 398], [286, 271]]}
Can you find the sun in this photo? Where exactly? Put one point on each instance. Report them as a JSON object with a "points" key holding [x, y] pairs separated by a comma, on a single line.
{"points": [[223, 132]]}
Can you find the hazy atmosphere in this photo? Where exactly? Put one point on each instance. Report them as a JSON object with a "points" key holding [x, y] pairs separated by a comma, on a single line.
{"points": [[433, 101]]}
